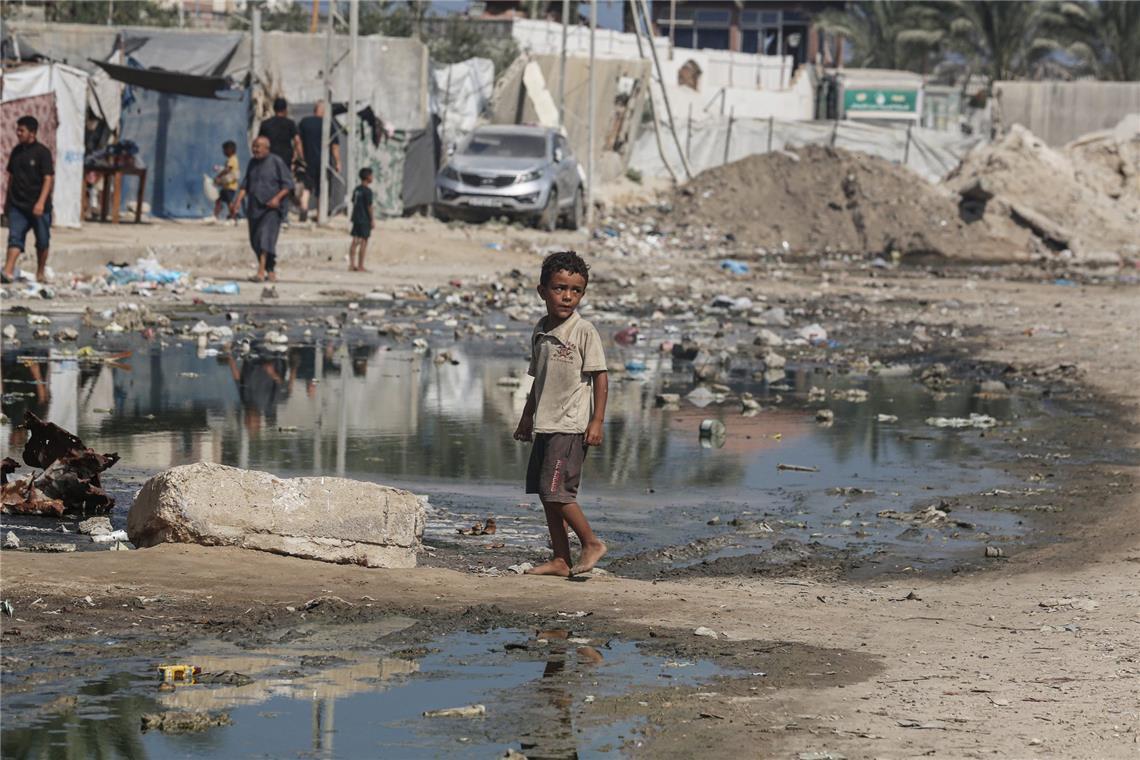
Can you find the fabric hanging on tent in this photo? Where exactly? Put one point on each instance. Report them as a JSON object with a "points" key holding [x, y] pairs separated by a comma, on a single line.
{"points": [[42, 107], [203, 55], [419, 170], [169, 82], [69, 86]]}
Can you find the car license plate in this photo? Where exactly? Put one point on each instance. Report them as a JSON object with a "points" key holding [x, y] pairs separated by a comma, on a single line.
{"points": [[492, 202]]}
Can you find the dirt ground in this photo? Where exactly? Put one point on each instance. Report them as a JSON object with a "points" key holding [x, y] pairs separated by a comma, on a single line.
{"points": [[1038, 657]]}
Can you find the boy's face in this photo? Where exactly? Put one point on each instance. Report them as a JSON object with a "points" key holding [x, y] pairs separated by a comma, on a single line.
{"points": [[563, 293], [367, 179], [229, 150]]}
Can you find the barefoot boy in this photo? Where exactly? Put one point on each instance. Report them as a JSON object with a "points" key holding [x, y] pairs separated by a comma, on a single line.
{"points": [[362, 221], [565, 409]]}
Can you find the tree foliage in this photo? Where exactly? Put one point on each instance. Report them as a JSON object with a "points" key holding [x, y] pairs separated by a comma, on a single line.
{"points": [[141, 13], [1002, 39], [1104, 37]]}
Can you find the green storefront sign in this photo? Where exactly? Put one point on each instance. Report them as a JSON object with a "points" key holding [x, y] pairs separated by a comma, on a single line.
{"points": [[880, 101]]}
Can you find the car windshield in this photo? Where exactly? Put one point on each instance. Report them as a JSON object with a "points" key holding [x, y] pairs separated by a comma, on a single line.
{"points": [[502, 145]]}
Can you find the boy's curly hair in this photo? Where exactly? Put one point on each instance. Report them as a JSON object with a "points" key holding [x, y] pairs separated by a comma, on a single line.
{"points": [[559, 261]]}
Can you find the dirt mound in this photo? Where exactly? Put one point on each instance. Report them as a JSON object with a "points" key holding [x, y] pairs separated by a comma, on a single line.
{"points": [[821, 199], [1084, 198]]}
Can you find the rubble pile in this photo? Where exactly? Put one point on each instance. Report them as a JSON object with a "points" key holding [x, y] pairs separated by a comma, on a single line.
{"points": [[1083, 199], [69, 480], [828, 200]]}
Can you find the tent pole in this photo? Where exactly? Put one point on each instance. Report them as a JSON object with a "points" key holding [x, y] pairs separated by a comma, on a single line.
{"points": [[590, 120], [664, 92], [562, 66], [350, 155], [652, 108], [326, 127]]}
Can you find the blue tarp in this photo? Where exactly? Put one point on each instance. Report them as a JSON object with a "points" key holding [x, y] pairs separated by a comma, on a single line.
{"points": [[180, 139]]}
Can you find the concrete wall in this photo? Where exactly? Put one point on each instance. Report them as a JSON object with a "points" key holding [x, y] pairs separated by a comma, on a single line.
{"points": [[391, 76], [511, 106], [1059, 112]]}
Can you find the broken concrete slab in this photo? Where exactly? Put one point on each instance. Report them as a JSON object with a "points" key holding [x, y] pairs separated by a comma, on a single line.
{"points": [[327, 519]]}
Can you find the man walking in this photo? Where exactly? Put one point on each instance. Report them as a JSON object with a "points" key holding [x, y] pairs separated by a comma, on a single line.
{"points": [[267, 183], [284, 140], [31, 176], [310, 129]]}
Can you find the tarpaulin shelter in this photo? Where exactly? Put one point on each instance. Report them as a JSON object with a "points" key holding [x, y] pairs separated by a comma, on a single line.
{"points": [[57, 95], [180, 139], [179, 119]]}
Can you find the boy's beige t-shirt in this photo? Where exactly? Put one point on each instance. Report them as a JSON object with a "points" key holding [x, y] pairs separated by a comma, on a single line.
{"points": [[560, 362]]}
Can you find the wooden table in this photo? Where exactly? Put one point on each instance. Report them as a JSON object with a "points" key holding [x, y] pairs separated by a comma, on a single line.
{"points": [[112, 201]]}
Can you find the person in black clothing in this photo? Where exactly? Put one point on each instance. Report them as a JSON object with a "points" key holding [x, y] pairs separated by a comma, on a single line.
{"points": [[310, 129], [284, 139], [31, 176], [362, 221]]}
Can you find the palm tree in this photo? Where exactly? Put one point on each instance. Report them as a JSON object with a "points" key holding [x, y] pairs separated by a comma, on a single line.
{"points": [[1105, 38], [1007, 39], [886, 35]]}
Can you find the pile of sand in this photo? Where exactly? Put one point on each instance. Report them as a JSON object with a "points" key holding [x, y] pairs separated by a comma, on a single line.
{"points": [[1084, 198], [820, 199]]}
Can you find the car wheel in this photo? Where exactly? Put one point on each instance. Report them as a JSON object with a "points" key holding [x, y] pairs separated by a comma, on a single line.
{"points": [[576, 216], [548, 219], [439, 213]]}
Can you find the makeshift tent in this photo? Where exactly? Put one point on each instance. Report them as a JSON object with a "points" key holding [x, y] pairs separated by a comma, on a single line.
{"points": [[460, 95], [67, 86], [180, 139], [403, 167]]}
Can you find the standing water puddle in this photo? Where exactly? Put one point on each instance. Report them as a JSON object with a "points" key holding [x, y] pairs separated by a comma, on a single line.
{"points": [[441, 425], [544, 696]]}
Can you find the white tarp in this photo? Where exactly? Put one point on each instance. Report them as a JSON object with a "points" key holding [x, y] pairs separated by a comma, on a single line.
{"points": [[70, 87], [461, 93], [932, 154]]}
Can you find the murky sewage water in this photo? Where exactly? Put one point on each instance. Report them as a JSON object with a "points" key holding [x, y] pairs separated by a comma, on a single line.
{"points": [[370, 408], [313, 699]]}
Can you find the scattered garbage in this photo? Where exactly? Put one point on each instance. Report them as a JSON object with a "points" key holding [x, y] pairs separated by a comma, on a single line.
{"points": [[179, 672], [182, 722], [11, 541], [143, 270], [994, 552], [706, 632], [734, 267], [70, 477], [468, 711], [813, 334], [219, 288], [980, 421], [825, 415], [713, 434], [795, 468]]}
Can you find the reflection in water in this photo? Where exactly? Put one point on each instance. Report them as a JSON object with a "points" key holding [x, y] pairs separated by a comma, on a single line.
{"points": [[350, 703], [358, 408]]}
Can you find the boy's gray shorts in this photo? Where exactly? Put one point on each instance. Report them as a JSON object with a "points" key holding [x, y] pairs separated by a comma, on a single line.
{"points": [[555, 468]]}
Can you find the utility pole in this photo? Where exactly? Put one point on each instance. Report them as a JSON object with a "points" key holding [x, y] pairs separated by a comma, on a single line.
{"points": [[254, 43], [590, 117], [640, 4], [326, 124], [562, 66], [350, 153]]}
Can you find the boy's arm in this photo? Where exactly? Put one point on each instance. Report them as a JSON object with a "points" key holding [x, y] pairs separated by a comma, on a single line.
{"points": [[601, 394], [525, 430]]}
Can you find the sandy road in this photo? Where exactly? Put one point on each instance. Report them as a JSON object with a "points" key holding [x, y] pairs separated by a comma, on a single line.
{"points": [[975, 667]]}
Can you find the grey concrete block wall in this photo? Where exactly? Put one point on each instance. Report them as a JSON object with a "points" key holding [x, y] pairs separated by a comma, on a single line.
{"points": [[1059, 112]]}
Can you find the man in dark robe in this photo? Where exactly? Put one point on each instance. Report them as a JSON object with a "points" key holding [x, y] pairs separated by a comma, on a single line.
{"points": [[267, 183]]}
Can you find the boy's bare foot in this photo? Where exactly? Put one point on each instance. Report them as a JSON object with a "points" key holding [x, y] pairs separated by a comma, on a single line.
{"points": [[589, 557], [273, 277], [553, 567]]}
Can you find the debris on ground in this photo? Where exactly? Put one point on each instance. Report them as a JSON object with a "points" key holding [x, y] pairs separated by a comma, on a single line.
{"points": [[69, 481], [980, 421], [468, 711], [183, 722], [1080, 202]]}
